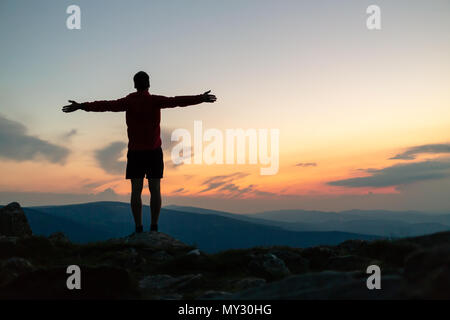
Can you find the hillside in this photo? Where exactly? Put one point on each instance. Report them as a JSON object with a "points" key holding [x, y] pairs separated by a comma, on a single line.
{"points": [[157, 266], [381, 223], [210, 232]]}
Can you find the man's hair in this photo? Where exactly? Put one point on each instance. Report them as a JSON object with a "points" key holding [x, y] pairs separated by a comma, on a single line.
{"points": [[141, 80]]}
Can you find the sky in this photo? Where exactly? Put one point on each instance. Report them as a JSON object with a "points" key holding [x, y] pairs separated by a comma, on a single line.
{"points": [[363, 114]]}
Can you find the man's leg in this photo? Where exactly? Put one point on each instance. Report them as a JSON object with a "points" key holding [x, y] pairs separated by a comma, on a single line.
{"points": [[136, 202], [154, 186]]}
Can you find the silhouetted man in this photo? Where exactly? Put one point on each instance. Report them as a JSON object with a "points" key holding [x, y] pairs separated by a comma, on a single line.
{"points": [[145, 156]]}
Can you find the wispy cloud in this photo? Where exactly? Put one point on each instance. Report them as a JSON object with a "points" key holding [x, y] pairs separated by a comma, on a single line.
{"points": [[400, 174], [218, 181], [108, 158], [16, 144], [226, 184], [411, 153], [306, 164], [68, 135], [180, 190]]}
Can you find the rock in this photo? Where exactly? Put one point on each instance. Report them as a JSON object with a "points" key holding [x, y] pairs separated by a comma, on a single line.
{"points": [[428, 273], [172, 296], [58, 237], [13, 221], [214, 295], [318, 257], [247, 283], [5, 240], [293, 260], [101, 282], [352, 245], [160, 256], [195, 252], [11, 268], [268, 265], [157, 284], [17, 264], [130, 258], [322, 285], [155, 240], [347, 263]]}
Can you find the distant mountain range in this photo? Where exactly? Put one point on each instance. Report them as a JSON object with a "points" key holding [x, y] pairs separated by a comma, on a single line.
{"points": [[213, 230], [373, 222], [210, 231]]}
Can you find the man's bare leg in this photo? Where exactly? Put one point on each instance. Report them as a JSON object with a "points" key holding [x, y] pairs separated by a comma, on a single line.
{"points": [[154, 186], [136, 202]]}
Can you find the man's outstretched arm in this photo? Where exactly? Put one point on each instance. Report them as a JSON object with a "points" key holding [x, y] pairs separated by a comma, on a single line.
{"points": [[184, 101], [97, 106]]}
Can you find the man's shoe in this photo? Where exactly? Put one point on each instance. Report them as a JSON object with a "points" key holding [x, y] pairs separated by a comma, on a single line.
{"points": [[154, 227]]}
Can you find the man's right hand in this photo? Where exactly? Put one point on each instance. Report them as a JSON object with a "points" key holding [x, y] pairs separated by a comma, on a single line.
{"points": [[209, 97], [74, 106]]}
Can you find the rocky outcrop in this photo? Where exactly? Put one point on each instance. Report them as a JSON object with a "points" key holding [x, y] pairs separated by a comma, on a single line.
{"points": [[13, 221], [98, 282], [268, 265], [428, 274], [11, 268], [154, 240], [161, 286], [157, 266], [58, 237], [247, 283], [322, 285]]}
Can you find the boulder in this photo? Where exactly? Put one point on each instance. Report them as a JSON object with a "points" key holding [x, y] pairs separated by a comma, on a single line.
{"points": [[347, 263], [100, 282], [58, 237], [428, 273], [247, 283], [128, 258], [293, 260], [322, 285], [11, 268], [154, 240], [214, 295], [268, 265], [194, 252], [318, 257], [160, 256], [13, 221], [163, 283]]}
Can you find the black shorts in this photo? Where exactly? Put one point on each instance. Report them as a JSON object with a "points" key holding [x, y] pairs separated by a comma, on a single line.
{"points": [[143, 163]]}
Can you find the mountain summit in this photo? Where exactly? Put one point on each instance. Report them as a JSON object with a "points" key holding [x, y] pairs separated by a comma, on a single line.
{"points": [[158, 266]]}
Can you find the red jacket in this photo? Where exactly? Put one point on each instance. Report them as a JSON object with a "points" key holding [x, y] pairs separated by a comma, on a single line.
{"points": [[143, 115]]}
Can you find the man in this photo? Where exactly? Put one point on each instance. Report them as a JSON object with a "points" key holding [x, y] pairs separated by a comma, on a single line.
{"points": [[145, 156]]}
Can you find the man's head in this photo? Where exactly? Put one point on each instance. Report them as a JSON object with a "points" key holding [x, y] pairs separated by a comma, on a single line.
{"points": [[141, 81]]}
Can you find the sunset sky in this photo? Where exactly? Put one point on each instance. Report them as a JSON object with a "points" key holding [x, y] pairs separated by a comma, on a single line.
{"points": [[364, 115]]}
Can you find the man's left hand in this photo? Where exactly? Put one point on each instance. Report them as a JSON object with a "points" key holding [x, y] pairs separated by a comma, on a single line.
{"points": [[74, 106]]}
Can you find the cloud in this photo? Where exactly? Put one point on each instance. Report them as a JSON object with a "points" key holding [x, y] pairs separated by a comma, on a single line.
{"points": [[50, 198], [68, 135], [218, 181], [16, 144], [108, 158], [225, 184], [400, 174], [411, 153], [107, 194], [306, 164]]}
